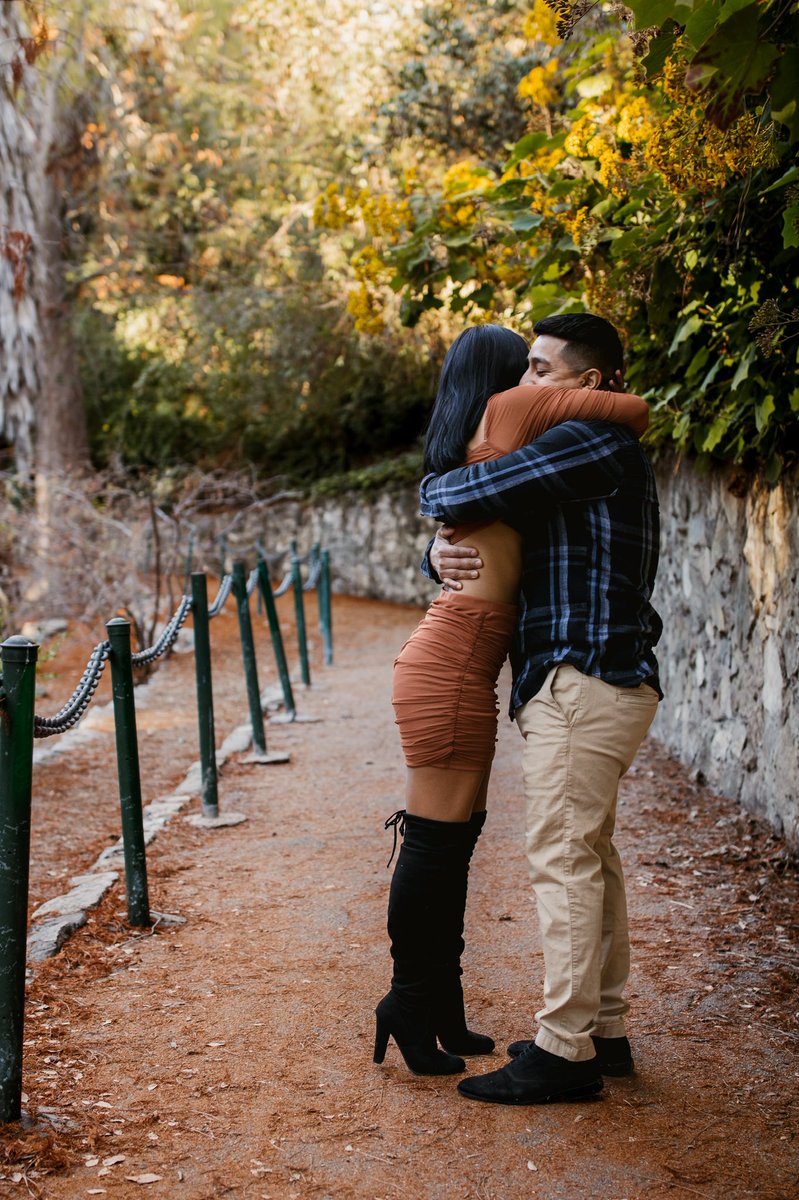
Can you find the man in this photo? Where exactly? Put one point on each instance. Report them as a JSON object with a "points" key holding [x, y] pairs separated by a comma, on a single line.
{"points": [[585, 691]]}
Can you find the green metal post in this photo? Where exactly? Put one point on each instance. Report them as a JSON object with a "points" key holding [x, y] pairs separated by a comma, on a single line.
{"points": [[128, 768], [326, 603], [277, 637], [315, 564], [299, 608], [248, 654], [189, 561], [16, 771], [260, 551], [205, 693]]}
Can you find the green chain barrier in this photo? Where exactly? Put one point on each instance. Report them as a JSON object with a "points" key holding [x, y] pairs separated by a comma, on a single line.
{"points": [[129, 776], [205, 694], [299, 608], [189, 562], [16, 773], [277, 637], [326, 607], [248, 655]]}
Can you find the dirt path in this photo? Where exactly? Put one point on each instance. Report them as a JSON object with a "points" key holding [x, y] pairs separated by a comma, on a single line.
{"points": [[232, 1056]]}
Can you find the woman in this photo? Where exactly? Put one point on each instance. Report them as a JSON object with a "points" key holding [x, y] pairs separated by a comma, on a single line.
{"points": [[445, 695]]}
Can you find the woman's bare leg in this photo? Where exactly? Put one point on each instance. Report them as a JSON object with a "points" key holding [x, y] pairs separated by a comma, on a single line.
{"points": [[480, 800], [441, 794]]}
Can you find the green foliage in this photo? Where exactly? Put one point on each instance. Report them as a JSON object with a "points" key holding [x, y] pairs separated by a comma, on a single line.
{"points": [[456, 92], [657, 184], [292, 209], [317, 407], [382, 476]]}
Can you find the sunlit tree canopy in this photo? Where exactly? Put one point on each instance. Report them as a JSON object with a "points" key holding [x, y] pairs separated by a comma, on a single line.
{"points": [[277, 215]]}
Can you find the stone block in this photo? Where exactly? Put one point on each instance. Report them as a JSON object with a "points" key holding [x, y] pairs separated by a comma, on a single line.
{"points": [[46, 939], [86, 892]]}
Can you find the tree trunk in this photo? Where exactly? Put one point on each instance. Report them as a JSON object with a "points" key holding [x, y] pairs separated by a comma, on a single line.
{"points": [[21, 337], [41, 404], [61, 443]]}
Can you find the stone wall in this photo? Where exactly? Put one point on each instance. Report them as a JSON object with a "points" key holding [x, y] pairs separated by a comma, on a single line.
{"points": [[376, 543], [727, 592]]}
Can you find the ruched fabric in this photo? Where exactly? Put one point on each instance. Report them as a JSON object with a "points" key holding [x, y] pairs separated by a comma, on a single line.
{"points": [[445, 696]]}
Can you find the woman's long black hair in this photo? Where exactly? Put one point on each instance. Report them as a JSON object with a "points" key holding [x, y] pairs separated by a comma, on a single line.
{"points": [[483, 360]]}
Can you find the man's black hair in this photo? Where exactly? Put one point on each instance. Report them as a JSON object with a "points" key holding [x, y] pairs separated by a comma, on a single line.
{"points": [[592, 341]]}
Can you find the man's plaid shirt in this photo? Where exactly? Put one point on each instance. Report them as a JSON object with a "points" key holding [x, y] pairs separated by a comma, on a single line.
{"points": [[583, 497]]}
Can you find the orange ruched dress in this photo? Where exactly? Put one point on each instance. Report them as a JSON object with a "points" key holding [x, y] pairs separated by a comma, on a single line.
{"points": [[445, 676]]}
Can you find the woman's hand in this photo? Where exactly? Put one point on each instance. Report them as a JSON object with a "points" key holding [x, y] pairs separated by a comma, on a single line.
{"points": [[453, 563]]}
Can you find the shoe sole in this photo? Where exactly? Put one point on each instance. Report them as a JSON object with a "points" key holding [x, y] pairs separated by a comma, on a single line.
{"points": [[567, 1097]]}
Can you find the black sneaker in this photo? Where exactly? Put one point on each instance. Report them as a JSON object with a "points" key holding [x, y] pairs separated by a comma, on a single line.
{"points": [[535, 1077], [613, 1055]]}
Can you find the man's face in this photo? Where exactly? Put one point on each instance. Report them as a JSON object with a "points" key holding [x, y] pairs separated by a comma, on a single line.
{"points": [[547, 366]]}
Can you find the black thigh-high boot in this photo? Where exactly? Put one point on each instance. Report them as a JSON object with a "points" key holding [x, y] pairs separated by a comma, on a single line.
{"points": [[427, 862], [448, 1013]]}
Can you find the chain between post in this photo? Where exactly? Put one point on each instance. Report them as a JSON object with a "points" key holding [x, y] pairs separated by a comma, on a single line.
{"points": [[284, 584], [167, 638], [83, 695], [71, 713], [80, 699], [313, 576], [225, 588]]}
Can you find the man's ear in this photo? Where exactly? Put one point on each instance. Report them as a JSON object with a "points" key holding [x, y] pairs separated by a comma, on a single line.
{"points": [[592, 378]]}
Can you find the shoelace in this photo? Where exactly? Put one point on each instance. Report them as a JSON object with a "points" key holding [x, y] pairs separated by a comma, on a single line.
{"points": [[396, 819]]}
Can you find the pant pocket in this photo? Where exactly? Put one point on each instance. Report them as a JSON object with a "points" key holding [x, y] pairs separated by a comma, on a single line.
{"points": [[566, 691], [642, 697]]}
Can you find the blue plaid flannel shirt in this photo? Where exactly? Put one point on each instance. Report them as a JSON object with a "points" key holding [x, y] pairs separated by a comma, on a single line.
{"points": [[583, 497]]}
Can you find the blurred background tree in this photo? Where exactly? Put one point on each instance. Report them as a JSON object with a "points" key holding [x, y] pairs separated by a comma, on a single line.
{"points": [[214, 319]]}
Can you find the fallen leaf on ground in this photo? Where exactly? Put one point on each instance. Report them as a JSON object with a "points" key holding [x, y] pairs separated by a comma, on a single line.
{"points": [[113, 1160], [144, 1178]]}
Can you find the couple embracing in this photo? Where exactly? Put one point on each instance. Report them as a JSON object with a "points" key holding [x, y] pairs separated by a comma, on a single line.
{"points": [[550, 553]]}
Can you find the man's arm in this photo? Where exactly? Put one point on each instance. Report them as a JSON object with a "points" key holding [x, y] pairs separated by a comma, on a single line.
{"points": [[573, 461]]}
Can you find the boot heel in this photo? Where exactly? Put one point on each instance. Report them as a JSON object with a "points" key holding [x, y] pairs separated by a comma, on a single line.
{"points": [[415, 1040], [381, 1041]]}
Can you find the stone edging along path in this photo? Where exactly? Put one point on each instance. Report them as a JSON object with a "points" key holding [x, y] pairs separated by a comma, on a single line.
{"points": [[54, 921]]}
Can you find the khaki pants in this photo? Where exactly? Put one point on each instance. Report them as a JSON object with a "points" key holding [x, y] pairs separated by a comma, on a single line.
{"points": [[581, 734]]}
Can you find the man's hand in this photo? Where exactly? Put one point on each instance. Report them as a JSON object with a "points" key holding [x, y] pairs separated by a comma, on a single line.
{"points": [[453, 563], [617, 383]]}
